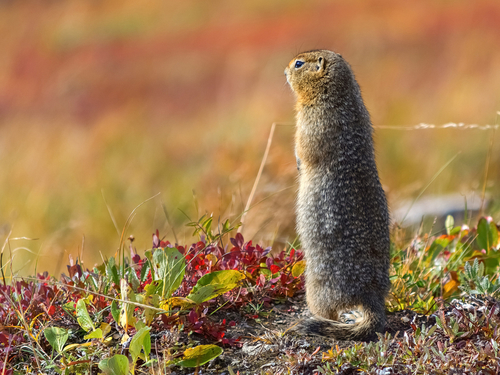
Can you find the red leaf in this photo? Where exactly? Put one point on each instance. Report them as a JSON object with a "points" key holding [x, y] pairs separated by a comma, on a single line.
{"points": [[274, 268], [238, 240], [51, 310]]}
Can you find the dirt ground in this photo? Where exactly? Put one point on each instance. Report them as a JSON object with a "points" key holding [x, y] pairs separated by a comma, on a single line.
{"points": [[268, 348]]}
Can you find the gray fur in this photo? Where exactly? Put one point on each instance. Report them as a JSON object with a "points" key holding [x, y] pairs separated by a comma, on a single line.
{"points": [[342, 214]]}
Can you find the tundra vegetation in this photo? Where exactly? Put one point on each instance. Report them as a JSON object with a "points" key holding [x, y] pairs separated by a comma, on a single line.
{"points": [[176, 309]]}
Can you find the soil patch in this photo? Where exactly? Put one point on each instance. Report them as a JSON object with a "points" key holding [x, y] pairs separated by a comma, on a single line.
{"points": [[267, 345]]}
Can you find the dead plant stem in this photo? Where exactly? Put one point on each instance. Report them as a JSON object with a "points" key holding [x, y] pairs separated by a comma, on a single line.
{"points": [[259, 174]]}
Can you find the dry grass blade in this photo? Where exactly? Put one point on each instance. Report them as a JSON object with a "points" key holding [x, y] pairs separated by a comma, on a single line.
{"points": [[1, 256], [452, 125], [129, 220], [426, 186], [96, 294], [259, 174], [486, 170], [110, 213]]}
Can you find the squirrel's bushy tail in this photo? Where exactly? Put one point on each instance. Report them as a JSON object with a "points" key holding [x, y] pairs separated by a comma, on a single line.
{"points": [[365, 327]]}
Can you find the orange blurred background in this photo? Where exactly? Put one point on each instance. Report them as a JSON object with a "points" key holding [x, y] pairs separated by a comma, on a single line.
{"points": [[105, 104]]}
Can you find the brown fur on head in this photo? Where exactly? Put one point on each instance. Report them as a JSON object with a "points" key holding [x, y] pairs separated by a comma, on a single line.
{"points": [[309, 73]]}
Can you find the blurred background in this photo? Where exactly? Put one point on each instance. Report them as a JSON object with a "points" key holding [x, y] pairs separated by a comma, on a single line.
{"points": [[104, 104]]}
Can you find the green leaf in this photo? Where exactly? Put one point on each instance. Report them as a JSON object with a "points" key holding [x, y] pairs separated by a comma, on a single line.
{"points": [[491, 263], [220, 277], [207, 225], [482, 234], [169, 265], [116, 365], [208, 292], [149, 314], [199, 355], [226, 226], [83, 317], [493, 234], [140, 341], [115, 311], [420, 283], [93, 281], [112, 271], [431, 331], [435, 249], [443, 242], [152, 288], [95, 334], [56, 337], [133, 279], [144, 271], [69, 306], [214, 284], [100, 269], [487, 234], [449, 224]]}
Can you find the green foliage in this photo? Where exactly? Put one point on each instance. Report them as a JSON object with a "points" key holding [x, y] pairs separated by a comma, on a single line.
{"points": [[83, 316], [115, 311], [140, 345], [448, 224], [199, 355], [451, 328], [438, 267], [204, 226], [116, 365], [112, 271], [95, 334], [169, 266], [214, 284], [487, 234], [56, 337], [473, 281], [363, 356]]}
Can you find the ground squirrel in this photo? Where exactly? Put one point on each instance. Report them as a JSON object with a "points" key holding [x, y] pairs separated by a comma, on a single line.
{"points": [[342, 214]]}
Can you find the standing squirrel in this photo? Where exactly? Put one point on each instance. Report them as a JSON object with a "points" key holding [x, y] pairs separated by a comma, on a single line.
{"points": [[342, 214]]}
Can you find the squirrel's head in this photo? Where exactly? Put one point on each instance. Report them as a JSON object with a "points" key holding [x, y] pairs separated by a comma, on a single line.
{"points": [[315, 74]]}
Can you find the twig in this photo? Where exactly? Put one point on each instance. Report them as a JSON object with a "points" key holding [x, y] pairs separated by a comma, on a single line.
{"points": [[452, 125], [95, 293], [488, 158], [257, 179]]}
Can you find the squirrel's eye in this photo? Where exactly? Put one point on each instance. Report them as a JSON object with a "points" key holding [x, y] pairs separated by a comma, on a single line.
{"points": [[298, 64]]}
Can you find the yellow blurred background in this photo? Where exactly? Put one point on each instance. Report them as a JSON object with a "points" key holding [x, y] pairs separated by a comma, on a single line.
{"points": [[104, 104]]}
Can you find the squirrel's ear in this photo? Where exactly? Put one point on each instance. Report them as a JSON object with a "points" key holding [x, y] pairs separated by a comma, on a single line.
{"points": [[321, 64]]}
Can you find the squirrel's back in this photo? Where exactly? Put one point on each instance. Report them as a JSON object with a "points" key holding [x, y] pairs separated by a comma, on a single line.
{"points": [[342, 214]]}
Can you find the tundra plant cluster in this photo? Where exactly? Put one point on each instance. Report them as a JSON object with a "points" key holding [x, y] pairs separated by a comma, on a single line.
{"points": [[147, 313], [70, 325]]}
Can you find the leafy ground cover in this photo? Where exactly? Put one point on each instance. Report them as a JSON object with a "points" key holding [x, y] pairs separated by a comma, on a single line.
{"points": [[225, 305]]}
